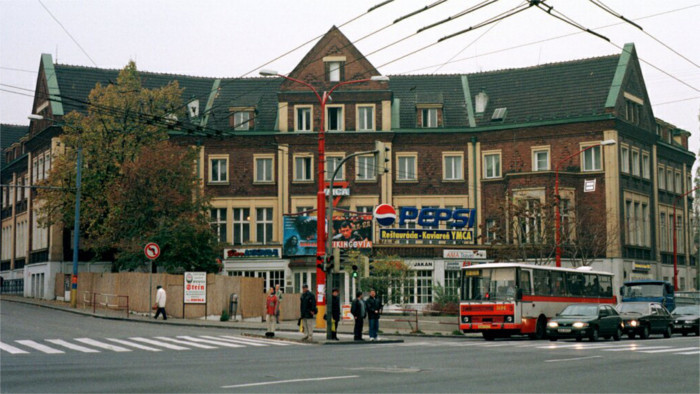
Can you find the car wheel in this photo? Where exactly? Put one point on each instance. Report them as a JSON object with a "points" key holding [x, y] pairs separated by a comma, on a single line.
{"points": [[553, 339], [645, 332], [630, 335], [668, 332], [685, 333], [594, 335], [618, 334], [579, 339], [697, 331]]}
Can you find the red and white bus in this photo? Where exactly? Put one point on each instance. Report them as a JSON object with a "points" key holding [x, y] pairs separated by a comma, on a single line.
{"points": [[503, 299]]}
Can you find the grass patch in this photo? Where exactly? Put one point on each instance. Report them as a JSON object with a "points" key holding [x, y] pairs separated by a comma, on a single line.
{"points": [[457, 332]]}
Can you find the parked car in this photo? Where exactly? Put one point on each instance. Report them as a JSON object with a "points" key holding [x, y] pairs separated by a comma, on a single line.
{"points": [[686, 319], [645, 318], [590, 321]]}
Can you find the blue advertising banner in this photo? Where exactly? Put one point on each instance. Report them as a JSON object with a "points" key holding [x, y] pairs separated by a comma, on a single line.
{"points": [[351, 231], [299, 236], [399, 234]]}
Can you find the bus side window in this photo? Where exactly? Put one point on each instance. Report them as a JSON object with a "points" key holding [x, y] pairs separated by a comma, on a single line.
{"points": [[542, 286], [525, 282], [605, 286], [592, 285], [559, 286]]}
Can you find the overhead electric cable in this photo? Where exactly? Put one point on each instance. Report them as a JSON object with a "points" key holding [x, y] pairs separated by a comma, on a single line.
{"points": [[465, 48], [67, 32]]}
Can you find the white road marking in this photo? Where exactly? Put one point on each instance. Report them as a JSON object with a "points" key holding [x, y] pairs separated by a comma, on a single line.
{"points": [[289, 381], [571, 359], [233, 340], [635, 348], [39, 347], [102, 345], [581, 346], [136, 345], [695, 352], [186, 343], [157, 343], [669, 350], [209, 341], [72, 346], [11, 349], [256, 340]]}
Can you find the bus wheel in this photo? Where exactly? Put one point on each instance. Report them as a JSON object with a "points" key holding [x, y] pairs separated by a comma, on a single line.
{"points": [[489, 336], [540, 329]]}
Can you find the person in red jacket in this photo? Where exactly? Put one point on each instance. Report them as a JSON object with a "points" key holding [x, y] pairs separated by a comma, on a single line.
{"points": [[271, 309]]}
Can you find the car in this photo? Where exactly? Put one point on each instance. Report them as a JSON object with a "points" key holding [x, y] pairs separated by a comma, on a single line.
{"points": [[590, 321], [645, 318], [686, 319]]}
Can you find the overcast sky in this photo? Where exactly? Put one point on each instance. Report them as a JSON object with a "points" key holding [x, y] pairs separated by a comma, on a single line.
{"points": [[235, 38]]}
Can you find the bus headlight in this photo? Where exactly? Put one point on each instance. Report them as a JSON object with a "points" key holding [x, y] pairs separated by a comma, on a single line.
{"points": [[552, 324], [465, 319], [509, 319], [579, 324]]}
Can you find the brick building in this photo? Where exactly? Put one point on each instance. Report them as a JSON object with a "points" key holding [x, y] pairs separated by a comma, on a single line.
{"points": [[491, 141]]}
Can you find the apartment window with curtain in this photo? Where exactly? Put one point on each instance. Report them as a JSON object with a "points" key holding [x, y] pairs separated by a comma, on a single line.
{"points": [[218, 223], [366, 168], [303, 168], [264, 169], [332, 162], [635, 163], [452, 168], [303, 119], [365, 118], [625, 159], [429, 117], [592, 159], [406, 168], [540, 160], [661, 178], [263, 225], [218, 170], [241, 226], [645, 165], [492, 165]]}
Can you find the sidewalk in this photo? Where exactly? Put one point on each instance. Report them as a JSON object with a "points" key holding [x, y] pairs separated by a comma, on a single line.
{"points": [[390, 331]]}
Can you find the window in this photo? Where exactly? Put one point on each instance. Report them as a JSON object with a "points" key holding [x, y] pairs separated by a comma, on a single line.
{"points": [[429, 117], [332, 162], [646, 226], [542, 281], [530, 222], [241, 120], [263, 169], [365, 118], [334, 71], [424, 287], [366, 168], [662, 178], [645, 165], [591, 159], [303, 168], [241, 226], [679, 183], [635, 163], [303, 118], [218, 169], [452, 282], [680, 241], [629, 223], [452, 167], [365, 209], [39, 234], [218, 223], [490, 231], [263, 225], [632, 111], [406, 168], [540, 160], [492, 165], [663, 232], [567, 227], [669, 179], [625, 159], [334, 118]]}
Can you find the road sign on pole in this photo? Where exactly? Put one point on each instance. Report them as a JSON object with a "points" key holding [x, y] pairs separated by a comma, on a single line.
{"points": [[152, 250]]}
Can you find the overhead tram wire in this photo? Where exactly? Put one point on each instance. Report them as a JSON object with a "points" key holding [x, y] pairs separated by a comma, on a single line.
{"points": [[465, 48], [68, 33], [617, 15]]}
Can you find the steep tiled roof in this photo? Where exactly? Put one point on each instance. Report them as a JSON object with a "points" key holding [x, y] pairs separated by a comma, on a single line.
{"points": [[260, 93], [420, 89], [9, 134]]}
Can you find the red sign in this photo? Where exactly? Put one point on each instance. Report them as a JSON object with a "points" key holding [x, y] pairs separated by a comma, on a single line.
{"points": [[152, 250]]}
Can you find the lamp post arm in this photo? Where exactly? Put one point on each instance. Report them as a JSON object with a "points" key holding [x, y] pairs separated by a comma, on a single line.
{"points": [[308, 85]]}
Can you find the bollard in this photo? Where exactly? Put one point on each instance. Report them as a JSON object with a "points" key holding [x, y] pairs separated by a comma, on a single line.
{"points": [[233, 306]]}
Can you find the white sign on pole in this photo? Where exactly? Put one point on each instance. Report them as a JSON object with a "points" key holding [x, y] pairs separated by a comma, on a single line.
{"points": [[195, 288], [589, 185]]}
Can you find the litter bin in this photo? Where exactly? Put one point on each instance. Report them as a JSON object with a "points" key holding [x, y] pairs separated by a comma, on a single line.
{"points": [[233, 305]]}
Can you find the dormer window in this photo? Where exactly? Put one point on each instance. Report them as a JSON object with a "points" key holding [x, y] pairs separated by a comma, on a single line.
{"points": [[481, 100], [335, 68], [242, 118], [429, 115]]}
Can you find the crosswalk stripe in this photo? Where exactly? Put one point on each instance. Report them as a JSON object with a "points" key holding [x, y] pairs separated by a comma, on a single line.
{"points": [[39, 347], [581, 346], [232, 340], [695, 352], [102, 345], [11, 349], [72, 346], [253, 341], [157, 343], [186, 343], [136, 345], [634, 347], [209, 341], [669, 350]]}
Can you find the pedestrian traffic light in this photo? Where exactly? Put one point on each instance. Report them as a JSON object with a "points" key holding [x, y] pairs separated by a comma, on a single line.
{"points": [[381, 158], [354, 270]]}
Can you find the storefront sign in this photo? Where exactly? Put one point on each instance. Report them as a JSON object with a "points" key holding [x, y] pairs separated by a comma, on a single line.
{"points": [[401, 234], [463, 254], [252, 253], [342, 192], [195, 288], [641, 268], [420, 265]]}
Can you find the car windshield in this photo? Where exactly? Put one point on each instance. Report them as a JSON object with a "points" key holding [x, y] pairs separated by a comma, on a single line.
{"points": [[643, 290], [632, 307], [687, 310], [489, 284], [580, 310]]}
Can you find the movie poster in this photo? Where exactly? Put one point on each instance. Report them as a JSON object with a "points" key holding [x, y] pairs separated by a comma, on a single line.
{"points": [[350, 231]]}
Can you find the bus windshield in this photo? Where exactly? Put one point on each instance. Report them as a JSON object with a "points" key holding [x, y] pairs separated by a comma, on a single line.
{"points": [[496, 284], [638, 290]]}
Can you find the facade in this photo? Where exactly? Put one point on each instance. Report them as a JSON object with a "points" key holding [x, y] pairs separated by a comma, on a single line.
{"points": [[493, 142]]}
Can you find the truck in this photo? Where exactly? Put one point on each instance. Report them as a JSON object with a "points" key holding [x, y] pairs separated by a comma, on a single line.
{"points": [[649, 290]]}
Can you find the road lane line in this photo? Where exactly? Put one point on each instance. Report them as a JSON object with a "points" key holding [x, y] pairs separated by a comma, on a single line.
{"points": [[582, 346], [186, 343], [39, 347], [11, 349], [290, 381], [571, 359], [102, 345], [234, 340], [634, 348], [682, 349], [72, 346], [256, 340], [209, 341], [157, 343], [695, 352], [136, 345]]}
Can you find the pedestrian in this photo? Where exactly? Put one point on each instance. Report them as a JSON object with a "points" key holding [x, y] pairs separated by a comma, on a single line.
{"points": [[374, 308], [272, 305], [308, 312], [335, 313], [278, 292], [359, 311], [160, 302]]}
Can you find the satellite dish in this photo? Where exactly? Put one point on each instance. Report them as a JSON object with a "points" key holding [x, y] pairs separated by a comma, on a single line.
{"points": [[193, 108]]}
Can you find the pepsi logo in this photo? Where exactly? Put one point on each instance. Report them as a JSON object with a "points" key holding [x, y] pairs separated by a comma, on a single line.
{"points": [[385, 214]]}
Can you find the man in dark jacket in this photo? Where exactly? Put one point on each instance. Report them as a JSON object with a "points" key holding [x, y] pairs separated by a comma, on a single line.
{"points": [[374, 307], [308, 312], [335, 313], [359, 311]]}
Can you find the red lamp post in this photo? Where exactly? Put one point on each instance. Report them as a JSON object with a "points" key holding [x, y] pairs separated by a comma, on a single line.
{"points": [[557, 233], [321, 252], [675, 241]]}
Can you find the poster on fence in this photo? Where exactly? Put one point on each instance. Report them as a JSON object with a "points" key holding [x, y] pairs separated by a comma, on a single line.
{"points": [[195, 288]]}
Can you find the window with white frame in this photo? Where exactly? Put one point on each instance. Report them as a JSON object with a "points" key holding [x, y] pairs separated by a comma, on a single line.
{"points": [[241, 226], [452, 283], [530, 221], [26, 189], [332, 162], [540, 160], [6, 243], [663, 232], [334, 118], [680, 241], [661, 178], [492, 165], [301, 209], [334, 71], [452, 167], [669, 180], [646, 225], [424, 287], [592, 159], [303, 171], [645, 165], [406, 167], [624, 159], [21, 250], [679, 183], [636, 171], [264, 169], [366, 169], [365, 118], [241, 120], [218, 223], [263, 225], [218, 169], [491, 234], [567, 227], [429, 117], [303, 118]]}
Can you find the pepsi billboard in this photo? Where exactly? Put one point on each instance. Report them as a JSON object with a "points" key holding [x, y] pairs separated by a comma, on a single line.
{"points": [[459, 221]]}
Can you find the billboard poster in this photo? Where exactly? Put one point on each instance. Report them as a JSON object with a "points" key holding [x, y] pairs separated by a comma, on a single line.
{"points": [[195, 288], [299, 236], [351, 231]]}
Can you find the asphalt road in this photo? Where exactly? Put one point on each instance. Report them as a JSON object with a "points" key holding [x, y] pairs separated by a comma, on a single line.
{"points": [[44, 350]]}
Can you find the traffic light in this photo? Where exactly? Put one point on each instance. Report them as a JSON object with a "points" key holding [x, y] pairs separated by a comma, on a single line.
{"points": [[340, 257], [354, 271], [371, 268], [381, 157]]}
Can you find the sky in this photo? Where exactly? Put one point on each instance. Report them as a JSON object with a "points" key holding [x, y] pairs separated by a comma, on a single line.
{"points": [[237, 38]]}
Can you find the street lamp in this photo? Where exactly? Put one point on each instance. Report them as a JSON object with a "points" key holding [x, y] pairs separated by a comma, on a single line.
{"points": [[76, 224], [557, 234], [321, 252], [675, 241]]}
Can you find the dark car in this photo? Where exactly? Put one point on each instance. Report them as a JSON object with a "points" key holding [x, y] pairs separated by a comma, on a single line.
{"points": [[645, 318], [686, 319], [586, 321]]}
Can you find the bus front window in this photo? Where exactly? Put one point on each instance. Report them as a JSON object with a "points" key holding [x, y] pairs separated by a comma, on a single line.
{"points": [[489, 285]]}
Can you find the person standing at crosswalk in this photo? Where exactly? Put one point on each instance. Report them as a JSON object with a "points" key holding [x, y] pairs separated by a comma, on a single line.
{"points": [[272, 305], [308, 312], [359, 312], [160, 302]]}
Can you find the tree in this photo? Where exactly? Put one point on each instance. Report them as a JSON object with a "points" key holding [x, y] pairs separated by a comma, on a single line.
{"points": [[389, 276], [123, 125]]}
